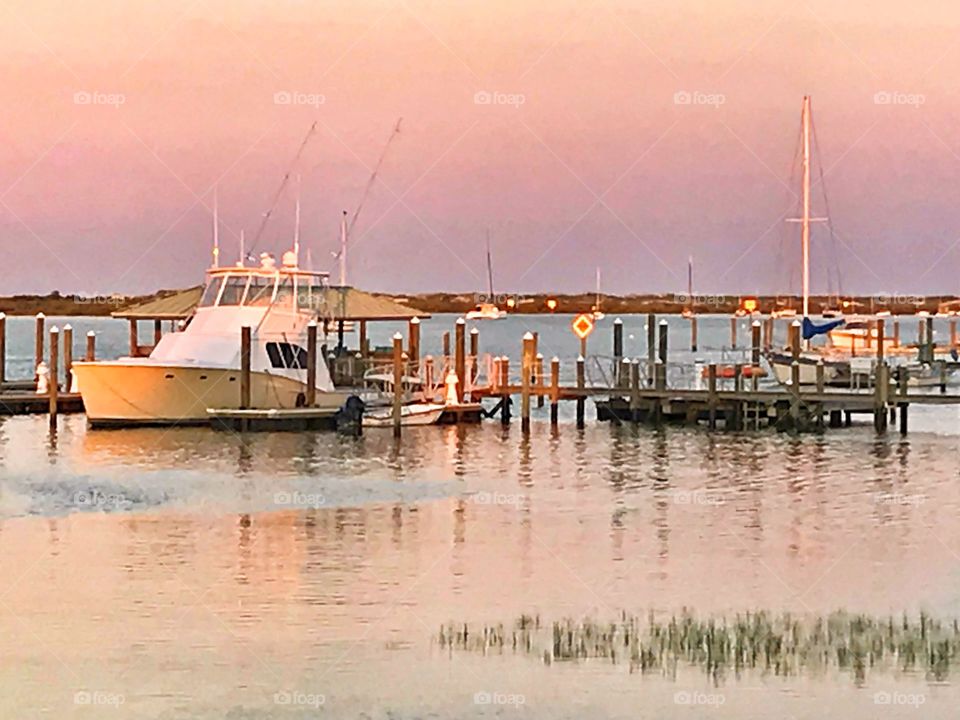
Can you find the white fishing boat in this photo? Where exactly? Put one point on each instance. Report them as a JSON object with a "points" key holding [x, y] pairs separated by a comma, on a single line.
{"points": [[412, 414], [488, 309], [199, 367], [597, 312]]}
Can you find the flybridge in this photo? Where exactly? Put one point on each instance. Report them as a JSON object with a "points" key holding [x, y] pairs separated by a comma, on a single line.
{"points": [[265, 286]]}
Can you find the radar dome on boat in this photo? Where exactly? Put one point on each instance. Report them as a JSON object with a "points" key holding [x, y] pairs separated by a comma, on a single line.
{"points": [[267, 261], [290, 259]]}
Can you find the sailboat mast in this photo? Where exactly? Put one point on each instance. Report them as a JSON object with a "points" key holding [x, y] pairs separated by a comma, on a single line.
{"points": [[690, 278], [806, 206], [216, 229], [489, 268], [598, 288], [343, 250]]}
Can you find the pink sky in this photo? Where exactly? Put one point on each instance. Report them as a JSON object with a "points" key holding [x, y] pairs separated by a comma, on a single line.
{"points": [[599, 166]]}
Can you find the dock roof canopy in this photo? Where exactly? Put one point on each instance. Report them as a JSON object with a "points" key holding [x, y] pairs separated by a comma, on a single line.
{"points": [[348, 304]]}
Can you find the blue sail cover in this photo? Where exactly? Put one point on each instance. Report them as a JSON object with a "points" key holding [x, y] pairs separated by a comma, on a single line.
{"points": [[809, 330]]}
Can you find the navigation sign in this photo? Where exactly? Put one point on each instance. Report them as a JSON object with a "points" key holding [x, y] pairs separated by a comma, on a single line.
{"points": [[582, 325]]}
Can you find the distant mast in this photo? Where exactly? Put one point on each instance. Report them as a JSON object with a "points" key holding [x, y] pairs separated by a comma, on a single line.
{"points": [[489, 269], [598, 289], [243, 251], [296, 226], [805, 235], [343, 250], [216, 230], [690, 277]]}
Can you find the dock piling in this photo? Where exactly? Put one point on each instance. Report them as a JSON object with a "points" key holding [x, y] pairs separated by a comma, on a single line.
{"points": [[617, 347], [311, 394], [554, 390], [39, 330], [634, 389], [712, 400], [526, 372], [755, 354], [3, 348], [91, 354], [651, 346], [67, 358], [474, 355], [581, 385], [53, 385], [134, 348], [446, 346], [245, 335], [903, 376], [413, 342], [538, 375], [397, 382], [504, 389], [693, 333], [460, 357], [662, 352], [733, 332]]}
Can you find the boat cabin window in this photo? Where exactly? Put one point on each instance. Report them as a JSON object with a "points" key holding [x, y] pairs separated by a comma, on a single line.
{"points": [[286, 355], [260, 292], [210, 292], [285, 292], [233, 290]]}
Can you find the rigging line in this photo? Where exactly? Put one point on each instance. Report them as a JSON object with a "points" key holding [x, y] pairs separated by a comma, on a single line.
{"points": [[373, 176], [826, 207], [784, 231], [283, 185]]}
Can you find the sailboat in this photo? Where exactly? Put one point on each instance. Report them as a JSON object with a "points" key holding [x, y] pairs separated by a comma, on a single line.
{"points": [[487, 310], [596, 311]]}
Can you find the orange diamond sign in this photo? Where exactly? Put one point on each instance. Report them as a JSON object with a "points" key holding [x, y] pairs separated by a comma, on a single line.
{"points": [[582, 326]]}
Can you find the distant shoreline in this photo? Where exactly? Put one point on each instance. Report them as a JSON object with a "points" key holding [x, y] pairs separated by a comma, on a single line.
{"points": [[55, 304]]}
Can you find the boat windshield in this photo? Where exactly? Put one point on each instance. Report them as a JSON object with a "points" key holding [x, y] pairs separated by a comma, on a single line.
{"points": [[210, 292], [233, 290], [260, 292], [285, 292]]}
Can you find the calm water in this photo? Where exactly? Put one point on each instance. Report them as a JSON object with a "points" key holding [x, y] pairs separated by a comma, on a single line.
{"points": [[191, 574]]}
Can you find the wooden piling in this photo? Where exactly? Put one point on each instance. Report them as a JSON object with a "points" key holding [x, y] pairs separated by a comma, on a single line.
{"points": [[879, 398], [617, 348], [91, 353], [623, 371], [651, 346], [733, 332], [495, 376], [755, 354], [311, 394], [67, 358], [245, 335], [446, 346], [953, 333], [39, 331], [474, 355], [795, 340], [554, 390], [903, 377], [538, 383], [795, 392], [693, 333], [662, 351], [53, 364], [712, 399], [397, 382], [581, 385], [460, 357], [896, 333], [820, 390], [364, 349], [413, 343], [505, 396], [134, 349], [526, 372], [881, 331], [635, 390], [157, 332], [3, 348], [931, 341]]}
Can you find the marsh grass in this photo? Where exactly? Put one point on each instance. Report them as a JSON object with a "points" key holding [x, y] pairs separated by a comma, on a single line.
{"points": [[780, 645]]}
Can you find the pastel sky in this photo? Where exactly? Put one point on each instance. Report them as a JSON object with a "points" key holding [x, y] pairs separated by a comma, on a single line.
{"points": [[624, 135]]}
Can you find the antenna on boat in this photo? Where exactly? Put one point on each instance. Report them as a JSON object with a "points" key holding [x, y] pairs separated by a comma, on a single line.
{"points": [[690, 277], [343, 249], [216, 230], [243, 253], [489, 268], [296, 226]]}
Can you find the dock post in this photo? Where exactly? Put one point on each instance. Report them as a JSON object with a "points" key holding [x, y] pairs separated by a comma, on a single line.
{"points": [[795, 340], [157, 332], [623, 370], [931, 342], [364, 350], [134, 339], [495, 373], [953, 333], [474, 355], [581, 385], [39, 331], [538, 368], [903, 377], [554, 390], [879, 396], [54, 385], [413, 343], [651, 347], [460, 356], [943, 377], [634, 390], [617, 349], [795, 392], [91, 354], [67, 358], [311, 394], [505, 390], [820, 390], [245, 367], [896, 333], [755, 354], [733, 333], [712, 398], [3, 348], [693, 333], [397, 382], [768, 328], [526, 373], [662, 342], [446, 346]]}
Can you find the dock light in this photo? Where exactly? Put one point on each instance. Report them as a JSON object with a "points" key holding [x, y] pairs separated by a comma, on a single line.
{"points": [[551, 304], [511, 302], [750, 305]]}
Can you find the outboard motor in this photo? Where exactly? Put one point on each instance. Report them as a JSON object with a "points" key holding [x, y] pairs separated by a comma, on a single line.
{"points": [[349, 418]]}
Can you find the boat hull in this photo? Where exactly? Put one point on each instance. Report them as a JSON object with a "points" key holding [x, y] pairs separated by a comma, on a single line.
{"points": [[781, 365], [417, 414], [123, 394]]}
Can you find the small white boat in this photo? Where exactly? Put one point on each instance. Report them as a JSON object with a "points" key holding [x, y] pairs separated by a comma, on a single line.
{"points": [[412, 414], [485, 311], [597, 313]]}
